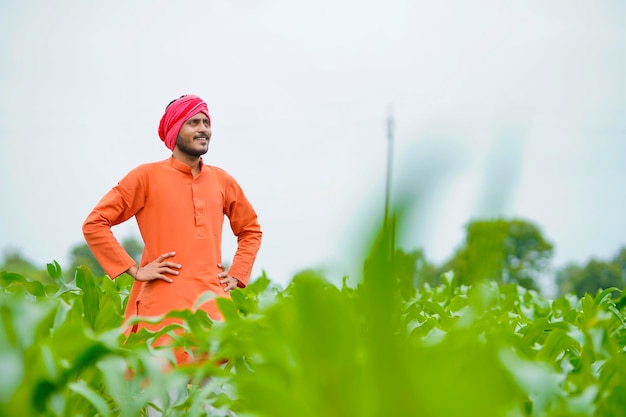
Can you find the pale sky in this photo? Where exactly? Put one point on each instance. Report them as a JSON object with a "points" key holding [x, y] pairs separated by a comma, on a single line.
{"points": [[501, 108]]}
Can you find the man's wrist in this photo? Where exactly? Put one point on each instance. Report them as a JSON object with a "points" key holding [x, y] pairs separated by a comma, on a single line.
{"points": [[133, 270]]}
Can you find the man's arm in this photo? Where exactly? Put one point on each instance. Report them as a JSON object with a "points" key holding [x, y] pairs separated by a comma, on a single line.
{"points": [[117, 206], [244, 224], [112, 209]]}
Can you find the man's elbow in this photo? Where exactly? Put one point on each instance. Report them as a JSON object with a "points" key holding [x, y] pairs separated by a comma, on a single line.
{"points": [[253, 236], [87, 228], [257, 235], [92, 226]]}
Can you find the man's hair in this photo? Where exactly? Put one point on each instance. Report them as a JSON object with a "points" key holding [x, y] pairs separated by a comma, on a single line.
{"points": [[170, 103]]}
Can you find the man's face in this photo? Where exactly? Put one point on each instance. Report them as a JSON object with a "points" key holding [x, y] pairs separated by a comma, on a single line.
{"points": [[194, 135]]}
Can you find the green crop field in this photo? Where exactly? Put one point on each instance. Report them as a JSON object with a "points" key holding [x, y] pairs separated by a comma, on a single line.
{"points": [[316, 349]]}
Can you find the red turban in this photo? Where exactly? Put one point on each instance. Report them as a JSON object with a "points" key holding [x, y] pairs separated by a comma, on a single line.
{"points": [[177, 113]]}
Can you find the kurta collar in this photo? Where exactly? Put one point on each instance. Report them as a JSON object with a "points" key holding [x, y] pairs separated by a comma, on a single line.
{"points": [[181, 166]]}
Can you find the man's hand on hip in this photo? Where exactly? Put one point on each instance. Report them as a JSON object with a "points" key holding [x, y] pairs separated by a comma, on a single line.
{"points": [[230, 282], [155, 269]]}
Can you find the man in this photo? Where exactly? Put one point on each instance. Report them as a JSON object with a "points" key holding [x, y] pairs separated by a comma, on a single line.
{"points": [[179, 205]]}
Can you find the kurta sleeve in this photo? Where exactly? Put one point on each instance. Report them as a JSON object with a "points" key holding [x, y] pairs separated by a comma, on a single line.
{"points": [[118, 205], [245, 225]]}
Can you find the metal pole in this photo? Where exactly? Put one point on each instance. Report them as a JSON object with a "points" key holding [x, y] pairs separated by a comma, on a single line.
{"points": [[389, 228]]}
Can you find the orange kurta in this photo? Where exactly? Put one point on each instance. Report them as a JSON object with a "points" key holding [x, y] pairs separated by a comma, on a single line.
{"points": [[178, 213]]}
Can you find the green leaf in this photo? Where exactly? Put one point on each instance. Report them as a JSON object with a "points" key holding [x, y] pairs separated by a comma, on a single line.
{"points": [[605, 296], [557, 343], [33, 287], [54, 270], [258, 285], [242, 303], [81, 388], [228, 309], [535, 330], [42, 391], [91, 294], [108, 317]]}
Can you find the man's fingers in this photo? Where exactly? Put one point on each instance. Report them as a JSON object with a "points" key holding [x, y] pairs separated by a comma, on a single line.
{"points": [[163, 277], [165, 256], [160, 277], [155, 278], [170, 265], [231, 283]]}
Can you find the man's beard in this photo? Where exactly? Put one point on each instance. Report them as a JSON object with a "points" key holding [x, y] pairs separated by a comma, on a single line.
{"points": [[187, 150]]}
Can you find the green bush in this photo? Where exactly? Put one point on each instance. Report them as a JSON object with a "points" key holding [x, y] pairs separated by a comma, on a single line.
{"points": [[315, 349]]}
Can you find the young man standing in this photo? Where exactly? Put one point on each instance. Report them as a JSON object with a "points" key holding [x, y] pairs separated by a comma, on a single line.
{"points": [[179, 205]]}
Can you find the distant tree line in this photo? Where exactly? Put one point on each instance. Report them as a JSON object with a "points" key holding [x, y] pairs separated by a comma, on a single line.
{"points": [[506, 251], [509, 251], [80, 254]]}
